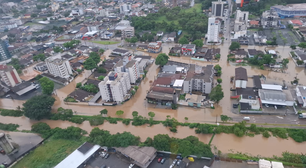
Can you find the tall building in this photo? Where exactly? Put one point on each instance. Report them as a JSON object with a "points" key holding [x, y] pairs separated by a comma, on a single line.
{"points": [[269, 18], [9, 75], [242, 16], [115, 87], [241, 22], [4, 52], [132, 68], [218, 8], [213, 30], [59, 66], [125, 8]]}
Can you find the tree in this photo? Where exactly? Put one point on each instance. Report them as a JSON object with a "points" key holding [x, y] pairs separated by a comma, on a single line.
{"points": [[217, 56], [225, 118], [302, 45], [217, 67], [134, 113], [285, 61], [151, 114], [183, 40], [136, 88], [41, 57], [186, 118], [300, 62], [101, 78], [216, 94], [133, 40], [38, 107], [78, 85], [219, 80], [161, 59], [293, 47], [234, 46], [57, 49], [33, 15], [95, 56], [90, 64], [266, 134], [104, 111], [41, 128], [101, 51], [101, 70], [47, 85], [162, 142], [198, 43], [119, 112]]}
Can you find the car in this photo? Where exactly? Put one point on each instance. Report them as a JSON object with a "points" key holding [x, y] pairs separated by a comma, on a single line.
{"points": [[235, 105], [246, 118], [163, 161], [178, 162], [172, 165], [106, 156], [159, 159], [8, 96], [179, 157], [103, 166], [131, 165], [102, 154], [174, 161]]}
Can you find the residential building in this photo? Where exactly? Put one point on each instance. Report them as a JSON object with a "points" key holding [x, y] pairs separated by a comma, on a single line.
{"points": [[4, 52], [248, 99], [121, 52], [162, 96], [301, 95], [199, 79], [269, 19], [125, 8], [159, 33], [254, 23], [171, 37], [128, 32], [205, 54], [290, 10], [188, 49], [218, 8], [241, 20], [77, 12], [115, 87], [9, 75], [132, 68], [213, 30], [155, 47], [300, 55], [241, 77], [59, 66], [253, 52], [240, 53]]}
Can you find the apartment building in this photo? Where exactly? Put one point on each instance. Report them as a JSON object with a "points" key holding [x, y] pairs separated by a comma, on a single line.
{"points": [[218, 8], [199, 79], [4, 52], [269, 19], [213, 30], [9, 75], [115, 87], [132, 68], [59, 66], [128, 32], [125, 8]]}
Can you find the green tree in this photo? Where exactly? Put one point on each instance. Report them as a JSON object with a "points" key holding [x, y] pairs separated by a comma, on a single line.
{"points": [[104, 111], [136, 88], [119, 112], [41, 128], [285, 61], [293, 47], [95, 56], [101, 78], [78, 85], [38, 107], [217, 67], [47, 85], [217, 56], [198, 43], [302, 45], [219, 80], [151, 114], [101, 51], [101, 70], [41, 57], [134, 113], [161, 59], [216, 94], [57, 49], [133, 40], [90, 64], [183, 40], [225, 118], [266, 134], [162, 142], [234, 46], [74, 133]]}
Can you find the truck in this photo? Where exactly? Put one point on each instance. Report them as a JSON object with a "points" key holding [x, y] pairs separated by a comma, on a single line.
{"points": [[302, 115]]}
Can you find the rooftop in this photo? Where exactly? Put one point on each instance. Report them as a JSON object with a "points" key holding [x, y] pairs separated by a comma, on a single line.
{"points": [[241, 74], [130, 63], [160, 96], [163, 89]]}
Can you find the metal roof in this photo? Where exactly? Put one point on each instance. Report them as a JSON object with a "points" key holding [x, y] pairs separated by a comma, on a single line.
{"points": [[271, 87]]}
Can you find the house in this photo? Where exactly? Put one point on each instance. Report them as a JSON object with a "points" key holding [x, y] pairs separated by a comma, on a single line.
{"points": [[254, 23], [241, 77], [143, 47], [240, 53], [301, 55], [159, 33], [163, 82], [301, 95], [154, 47], [205, 54], [253, 52], [171, 37], [162, 96], [188, 49], [80, 95], [23, 88], [175, 51], [248, 96], [120, 52]]}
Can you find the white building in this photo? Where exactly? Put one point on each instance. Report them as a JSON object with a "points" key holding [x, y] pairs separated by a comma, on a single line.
{"points": [[115, 87], [55, 6], [59, 66], [132, 68], [218, 8], [241, 77], [241, 20], [9, 75], [213, 30], [301, 95], [77, 12], [125, 8]]}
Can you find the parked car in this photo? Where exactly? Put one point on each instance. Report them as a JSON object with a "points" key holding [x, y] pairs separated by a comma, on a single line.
{"points": [[163, 161], [106, 156], [102, 154], [179, 157], [159, 159], [178, 162], [174, 161], [131, 165], [172, 165], [8, 96], [235, 105], [246, 118]]}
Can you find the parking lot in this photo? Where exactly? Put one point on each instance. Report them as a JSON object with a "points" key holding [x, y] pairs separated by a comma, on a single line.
{"points": [[113, 161], [284, 36]]}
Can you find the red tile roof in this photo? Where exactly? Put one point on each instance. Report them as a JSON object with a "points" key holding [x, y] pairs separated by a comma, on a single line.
{"points": [[163, 89], [254, 22]]}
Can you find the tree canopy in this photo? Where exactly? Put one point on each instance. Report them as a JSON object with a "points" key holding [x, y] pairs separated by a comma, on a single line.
{"points": [[131, 40], [302, 45], [183, 40], [104, 111], [71, 43], [119, 112], [38, 107], [95, 56], [216, 94], [198, 43], [90, 64], [41, 57], [57, 49], [161, 59], [151, 114], [234, 46], [47, 85]]}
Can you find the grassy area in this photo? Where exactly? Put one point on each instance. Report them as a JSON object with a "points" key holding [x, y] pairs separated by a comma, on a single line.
{"points": [[106, 42], [48, 154], [197, 7], [163, 18]]}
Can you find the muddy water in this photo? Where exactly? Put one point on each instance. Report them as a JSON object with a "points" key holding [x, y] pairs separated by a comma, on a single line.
{"points": [[257, 145], [226, 143]]}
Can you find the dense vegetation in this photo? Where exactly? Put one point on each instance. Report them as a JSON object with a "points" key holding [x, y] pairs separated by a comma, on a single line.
{"points": [[169, 20], [38, 107], [8, 127], [14, 113]]}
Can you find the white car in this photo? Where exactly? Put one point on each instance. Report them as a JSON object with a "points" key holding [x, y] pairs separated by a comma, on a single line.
{"points": [[131, 165]]}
